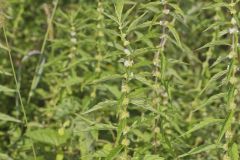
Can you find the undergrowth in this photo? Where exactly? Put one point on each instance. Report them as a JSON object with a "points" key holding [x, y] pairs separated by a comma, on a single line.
{"points": [[119, 79]]}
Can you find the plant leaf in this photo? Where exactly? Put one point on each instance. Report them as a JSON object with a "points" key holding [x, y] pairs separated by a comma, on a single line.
{"points": [[175, 34], [119, 9], [5, 117], [202, 124], [101, 105], [199, 149], [48, 136], [234, 152], [226, 125]]}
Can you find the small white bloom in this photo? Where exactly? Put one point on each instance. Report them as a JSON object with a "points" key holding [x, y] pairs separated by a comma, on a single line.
{"points": [[166, 11], [233, 21], [73, 28], [226, 157], [156, 73], [161, 22], [131, 75], [232, 55], [125, 142], [126, 130], [127, 52], [100, 10], [73, 33], [73, 49], [124, 115], [125, 101], [74, 40], [128, 63], [233, 30], [156, 62], [125, 88], [228, 135], [126, 42], [99, 26]]}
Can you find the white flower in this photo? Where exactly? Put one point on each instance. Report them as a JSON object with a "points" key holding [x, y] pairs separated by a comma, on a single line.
{"points": [[166, 11], [125, 43], [74, 40], [228, 135], [126, 130], [124, 115], [125, 142], [233, 30], [163, 23], [127, 52], [128, 63], [73, 28], [125, 88], [99, 26], [73, 33], [131, 75], [232, 55], [233, 21]]}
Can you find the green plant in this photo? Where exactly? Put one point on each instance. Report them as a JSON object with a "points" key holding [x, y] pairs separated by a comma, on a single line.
{"points": [[121, 79]]}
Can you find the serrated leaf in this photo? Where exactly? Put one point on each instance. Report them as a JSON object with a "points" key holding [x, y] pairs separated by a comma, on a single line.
{"points": [[216, 24], [234, 154], [226, 125], [210, 100], [153, 157], [4, 47], [5, 117], [107, 78], [215, 43], [200, 149], [5, 157], [214, 78], [114, 153], [202, 124], [175, 34], [5, 73], [101, 105], [111, 17], [6, 89], [216, 5], [143, 80], [177, 9], [119, 9], [114, 90], [48, 136], [128, 12], [135, 22]]}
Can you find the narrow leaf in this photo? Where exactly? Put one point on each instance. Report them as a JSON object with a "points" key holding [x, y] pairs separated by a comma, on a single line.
{"points": [[200, 149], [226, 125], [234, 152], [203, 124], [5, 117], [175, 34]]}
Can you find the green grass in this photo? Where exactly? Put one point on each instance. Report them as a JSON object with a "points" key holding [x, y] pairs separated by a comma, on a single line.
{"points": [[119, 79]]}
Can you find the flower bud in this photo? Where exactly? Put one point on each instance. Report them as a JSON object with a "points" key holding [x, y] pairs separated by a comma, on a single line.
{"points": [[125, 142]]}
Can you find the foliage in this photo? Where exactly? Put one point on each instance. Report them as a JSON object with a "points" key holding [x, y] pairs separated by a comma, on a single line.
{"points": [[119, 79]]}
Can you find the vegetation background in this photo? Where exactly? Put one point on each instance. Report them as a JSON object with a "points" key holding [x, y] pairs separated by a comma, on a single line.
{"points": [[119, 79]]}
